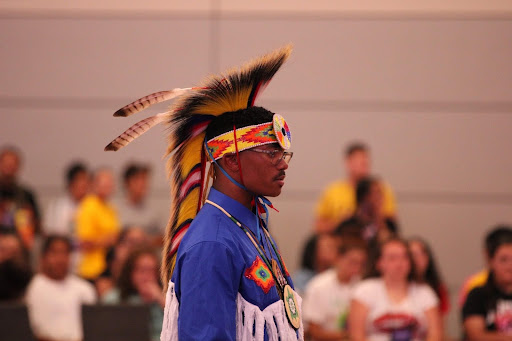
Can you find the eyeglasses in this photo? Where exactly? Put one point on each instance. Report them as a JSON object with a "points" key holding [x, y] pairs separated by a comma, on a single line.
{"points": [[276, 155]]}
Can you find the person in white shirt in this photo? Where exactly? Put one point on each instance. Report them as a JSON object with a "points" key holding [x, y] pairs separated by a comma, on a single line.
{"points": [[327, 297], [390, 305], [60, 214], [54, 297]]}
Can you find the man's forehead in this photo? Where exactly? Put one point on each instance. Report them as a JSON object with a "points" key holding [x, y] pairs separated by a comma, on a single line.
{"points": [[270, 146]]}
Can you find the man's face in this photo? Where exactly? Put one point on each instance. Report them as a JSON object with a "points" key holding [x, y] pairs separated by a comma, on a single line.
{"points": [[137, 185], [9, 165], [260, 175], [351, 264], [10, 248], [55, 263], [104, 184], [375, 197], [358, 165], [79, 187]]}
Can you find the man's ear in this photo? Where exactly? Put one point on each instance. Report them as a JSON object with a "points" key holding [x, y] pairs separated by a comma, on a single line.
{"points": [[230, 162]]}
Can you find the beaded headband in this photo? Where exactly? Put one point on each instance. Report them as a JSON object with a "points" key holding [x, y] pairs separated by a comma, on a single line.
{"points": [[252, 136]]}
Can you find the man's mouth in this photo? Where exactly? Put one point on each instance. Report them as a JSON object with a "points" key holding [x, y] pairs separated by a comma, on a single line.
{"points": [[280, 178]]}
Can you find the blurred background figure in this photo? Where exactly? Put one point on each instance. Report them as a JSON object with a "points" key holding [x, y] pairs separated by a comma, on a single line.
{"points": [[338, 201], [480, 278], [428, 272], [319, 254], [139, 283], [15, 272], [97, 226], [134, 210], [390, 305], [368, 219], [54, 297], [130, 239], [327, 297], [487, 311], [60, 217], [18, 204]]}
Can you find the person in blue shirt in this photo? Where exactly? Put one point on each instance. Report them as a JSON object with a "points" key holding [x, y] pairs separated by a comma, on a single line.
{"points": [[226, 279]]}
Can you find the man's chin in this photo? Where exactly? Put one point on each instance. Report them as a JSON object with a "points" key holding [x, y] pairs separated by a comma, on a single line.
{"points": [[275, 193]]}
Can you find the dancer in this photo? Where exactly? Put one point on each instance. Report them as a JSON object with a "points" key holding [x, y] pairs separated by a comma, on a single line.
{"points": [[226, 278]]}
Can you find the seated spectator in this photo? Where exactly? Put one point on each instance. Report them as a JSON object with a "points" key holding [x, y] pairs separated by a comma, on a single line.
{"points": [[368, 221], [97, 226], [338, 202], [54, 297], [427, 272], [139, 283], [480, 278], [18, 205], [389, 305], [487, 312], [327, 296], [130, 239], [15, 272], [134, 210], [319, 255], [60, 217]]}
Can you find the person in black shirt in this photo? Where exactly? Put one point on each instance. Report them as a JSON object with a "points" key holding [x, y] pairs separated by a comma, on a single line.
{"points": [[18, 206], [487, 312]]}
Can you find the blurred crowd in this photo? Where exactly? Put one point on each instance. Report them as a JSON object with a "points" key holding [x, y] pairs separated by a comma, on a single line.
{"points": [[84, 248], [360, 279]]}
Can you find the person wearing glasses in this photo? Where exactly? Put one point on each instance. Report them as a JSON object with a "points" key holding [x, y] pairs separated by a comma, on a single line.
{"points": [[229, 273], [225, 277]]}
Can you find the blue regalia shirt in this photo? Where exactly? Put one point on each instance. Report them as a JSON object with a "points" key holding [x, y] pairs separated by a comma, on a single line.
{"points": [[216, 262]]}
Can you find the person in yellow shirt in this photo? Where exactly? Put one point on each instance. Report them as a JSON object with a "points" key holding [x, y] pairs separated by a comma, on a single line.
{"points": [[97, 226], [338, 201]]}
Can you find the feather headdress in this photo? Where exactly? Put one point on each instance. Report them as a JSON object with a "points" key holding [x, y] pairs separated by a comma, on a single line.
{"points": [[188, 119]]}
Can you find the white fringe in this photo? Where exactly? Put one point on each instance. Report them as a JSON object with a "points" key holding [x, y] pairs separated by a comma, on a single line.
{"points": [[250, 320], [171, 311]]}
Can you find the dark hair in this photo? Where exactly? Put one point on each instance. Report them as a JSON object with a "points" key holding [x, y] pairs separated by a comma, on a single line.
{"points": [[352, 243], [124, 282], [4, 150], [240, 118], [432, 276], [374, 272], [73, 171], [354, 148], [363, 188], [497, 237], [53, 238], [134, 169], [14, 279], [494, 238], [309, 252]]}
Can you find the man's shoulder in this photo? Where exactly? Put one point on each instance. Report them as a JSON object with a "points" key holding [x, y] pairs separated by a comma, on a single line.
{"points": [[36, 282], [78, 282], [208, 226], [89, 202]]}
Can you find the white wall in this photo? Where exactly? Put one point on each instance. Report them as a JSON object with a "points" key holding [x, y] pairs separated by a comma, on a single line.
{"points": [[428, 87]]}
